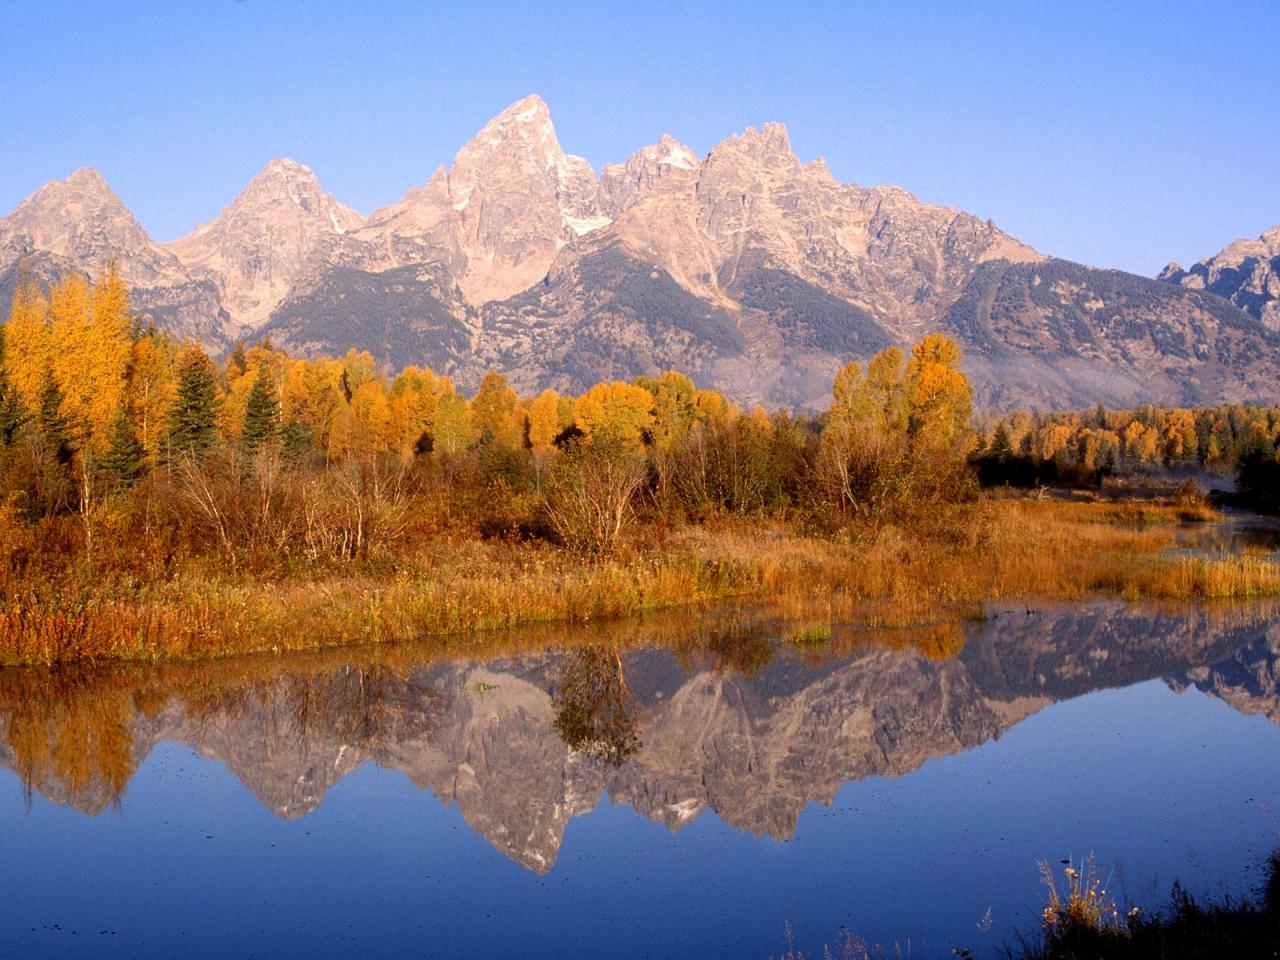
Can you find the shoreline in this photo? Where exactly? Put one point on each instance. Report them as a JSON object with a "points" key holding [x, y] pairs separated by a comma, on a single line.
{"points": [[944, 568]]}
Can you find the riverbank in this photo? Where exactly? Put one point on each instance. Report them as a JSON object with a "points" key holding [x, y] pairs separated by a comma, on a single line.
{"points": [[946, 566]]}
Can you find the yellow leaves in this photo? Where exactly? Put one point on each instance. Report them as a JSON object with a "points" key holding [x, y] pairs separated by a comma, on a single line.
{"points": [[452, 433], [151, 387], [371, 417], [496, 413], [544, 421], [939, 398], [28, 348], [79, 336], [674, 399], [616, 410], [710, 406]]}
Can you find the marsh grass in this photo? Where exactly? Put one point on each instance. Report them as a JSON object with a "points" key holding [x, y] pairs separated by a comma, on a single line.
{"points": [[941, 569]]}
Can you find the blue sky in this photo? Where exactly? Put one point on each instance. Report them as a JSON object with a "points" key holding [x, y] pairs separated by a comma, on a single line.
{"points": [[1117, 134]]}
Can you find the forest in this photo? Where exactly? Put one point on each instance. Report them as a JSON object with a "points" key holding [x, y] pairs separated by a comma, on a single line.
{"points": [[152, 500]]}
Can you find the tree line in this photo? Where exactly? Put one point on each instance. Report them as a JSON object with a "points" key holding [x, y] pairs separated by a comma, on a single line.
{"points": [[1243, 440], [113, 428]]}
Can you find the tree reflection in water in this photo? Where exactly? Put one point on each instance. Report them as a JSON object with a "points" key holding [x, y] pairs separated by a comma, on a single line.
{"points": [[595, 710]]}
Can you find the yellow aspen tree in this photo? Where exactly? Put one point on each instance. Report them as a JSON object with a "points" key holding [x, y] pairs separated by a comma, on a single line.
{"points": [[27, 344], [414, 397], [674, 397], [69, 333], [544, 421], [150, 388], [103, 379], [710, 406], [939, 399], [452, 433], [496, 414], [616, 411], [371, 418]]}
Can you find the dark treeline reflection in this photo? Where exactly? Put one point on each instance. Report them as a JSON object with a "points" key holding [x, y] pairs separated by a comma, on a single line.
{"points": [[752, 717]]}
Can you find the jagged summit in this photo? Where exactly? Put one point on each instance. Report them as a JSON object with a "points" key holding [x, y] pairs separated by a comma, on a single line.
{"points": [[278, 227], [754, 270], [1245, 271]]}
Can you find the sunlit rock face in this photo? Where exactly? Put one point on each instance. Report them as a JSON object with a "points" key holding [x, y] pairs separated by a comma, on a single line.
{"points": [[79, 225], [756, 272], [1246, 272], [280, 227], [521, 747]]}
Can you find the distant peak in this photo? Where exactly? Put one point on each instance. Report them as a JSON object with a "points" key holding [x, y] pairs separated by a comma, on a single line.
{"points": [[86, 177], [531, 109], [85, 182], [286, 167], [771, 140]]}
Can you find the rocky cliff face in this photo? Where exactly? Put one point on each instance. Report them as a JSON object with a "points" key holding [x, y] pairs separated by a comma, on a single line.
{"points": [[756, 272], [281, 226], [755, 749], [80, 225], [1246, 272]]}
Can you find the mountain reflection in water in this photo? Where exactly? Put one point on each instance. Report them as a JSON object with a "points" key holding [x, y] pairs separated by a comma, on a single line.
{"points": [[666, 720]]}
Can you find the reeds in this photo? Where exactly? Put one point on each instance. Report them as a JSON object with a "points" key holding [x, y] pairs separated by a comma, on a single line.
{"points": [[945, 567]]}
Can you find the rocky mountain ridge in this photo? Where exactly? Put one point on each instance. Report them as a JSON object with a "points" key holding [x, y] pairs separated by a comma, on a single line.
{"points": [[1246, 272], [757, 273]]}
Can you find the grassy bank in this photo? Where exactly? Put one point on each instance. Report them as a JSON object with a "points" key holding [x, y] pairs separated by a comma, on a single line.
{"points": [[944, 566]]}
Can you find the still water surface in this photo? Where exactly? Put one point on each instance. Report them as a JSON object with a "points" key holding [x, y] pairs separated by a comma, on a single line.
{"points": [[685, 792]]}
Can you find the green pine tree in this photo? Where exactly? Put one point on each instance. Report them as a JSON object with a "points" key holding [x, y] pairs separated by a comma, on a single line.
{"points": [[261, 416], [238, 361], [53, 423], [123, 461], [1001, 448], [13, 415], [297, 442], [193, 415]]}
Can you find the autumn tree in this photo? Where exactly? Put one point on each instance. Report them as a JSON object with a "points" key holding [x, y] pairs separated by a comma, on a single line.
{"points": [[938, 395], [496, 415], [544, 422], [28, 348], [615, 411]]}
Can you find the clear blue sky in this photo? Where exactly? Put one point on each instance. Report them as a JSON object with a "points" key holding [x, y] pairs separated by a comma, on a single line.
{"points": [[1117, 134]]}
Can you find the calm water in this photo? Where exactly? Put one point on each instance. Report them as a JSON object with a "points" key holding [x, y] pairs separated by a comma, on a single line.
{"points": [[684, 797]]}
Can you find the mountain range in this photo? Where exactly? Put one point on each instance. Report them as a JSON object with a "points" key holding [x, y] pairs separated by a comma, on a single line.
{"points": [[752, 271]]}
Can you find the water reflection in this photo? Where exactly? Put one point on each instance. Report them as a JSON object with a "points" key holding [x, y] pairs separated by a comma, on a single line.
{"points": [[729, 716]]}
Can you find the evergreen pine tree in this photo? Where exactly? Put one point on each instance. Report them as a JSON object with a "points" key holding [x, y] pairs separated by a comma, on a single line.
{"points": [[55, 427], [261, 416], [123, 461], [296, 442], [13, 415], [1001, 448], [194, 411], [238, 361]]}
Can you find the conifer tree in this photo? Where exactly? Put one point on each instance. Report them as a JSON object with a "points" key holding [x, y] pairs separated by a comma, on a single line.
{"points": [[297, 441], [12, 412], [123, 461], [238, 361], [1001, 446], [55, 427], [194, 411], [261, 416], [13, 415]]}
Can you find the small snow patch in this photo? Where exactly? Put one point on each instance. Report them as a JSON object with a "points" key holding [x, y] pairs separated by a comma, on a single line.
{"points": [[585, 225]]}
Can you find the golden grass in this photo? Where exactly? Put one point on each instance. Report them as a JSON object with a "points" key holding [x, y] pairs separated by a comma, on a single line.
{"points": [[945, 566]]}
